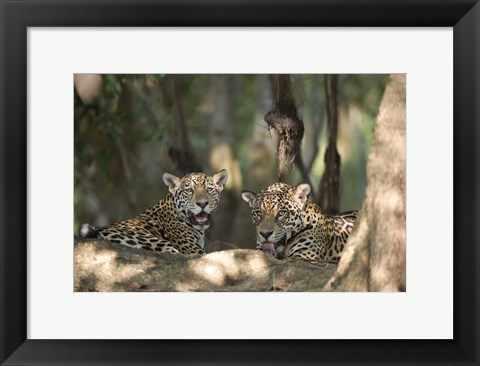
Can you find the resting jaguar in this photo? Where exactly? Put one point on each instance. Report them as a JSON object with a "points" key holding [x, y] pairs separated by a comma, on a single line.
{"points": [[176, 224], [289, 225]]}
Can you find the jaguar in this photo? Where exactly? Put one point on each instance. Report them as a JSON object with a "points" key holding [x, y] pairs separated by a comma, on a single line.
{"points": [[175, 224], [289, 225]]}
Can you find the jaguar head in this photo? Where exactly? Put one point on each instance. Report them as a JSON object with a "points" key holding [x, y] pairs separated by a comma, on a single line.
{"points": [[277, 213], [196, 195]]}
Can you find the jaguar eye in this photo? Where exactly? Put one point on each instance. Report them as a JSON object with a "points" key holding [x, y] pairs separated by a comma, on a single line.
{"points": [[281, 214], [210, 189], [257, 215]]}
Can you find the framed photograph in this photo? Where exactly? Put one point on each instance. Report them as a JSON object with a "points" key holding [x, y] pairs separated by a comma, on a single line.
{"points": [[236, 119], [133, 131]]}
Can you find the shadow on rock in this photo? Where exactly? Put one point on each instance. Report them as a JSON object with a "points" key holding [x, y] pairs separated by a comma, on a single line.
{"points": [[106, 267]]}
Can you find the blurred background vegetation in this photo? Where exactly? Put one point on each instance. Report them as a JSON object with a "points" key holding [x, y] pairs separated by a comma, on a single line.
{"points": [[130, 129]]}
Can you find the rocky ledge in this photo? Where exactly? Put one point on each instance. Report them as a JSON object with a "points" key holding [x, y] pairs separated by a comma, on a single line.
{"points": [[103, 266]]}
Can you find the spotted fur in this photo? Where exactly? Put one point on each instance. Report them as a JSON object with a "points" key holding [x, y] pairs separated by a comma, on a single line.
{"points": [[176, 224], [289, 225]]}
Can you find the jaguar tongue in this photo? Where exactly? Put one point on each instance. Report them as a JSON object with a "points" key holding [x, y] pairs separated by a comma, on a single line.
{"points": [[201, 218], [270, 248]]}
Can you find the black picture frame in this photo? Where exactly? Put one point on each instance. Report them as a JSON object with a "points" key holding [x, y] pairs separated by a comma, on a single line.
{"points": [[17, 15]]}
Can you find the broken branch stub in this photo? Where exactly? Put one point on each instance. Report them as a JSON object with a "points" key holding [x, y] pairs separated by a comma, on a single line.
{"points": [[284, 120]]}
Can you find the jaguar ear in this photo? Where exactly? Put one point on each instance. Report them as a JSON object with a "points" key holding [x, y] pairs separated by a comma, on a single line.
{"points": [[172, 182], [220, 179], [249, 197], [301, 194]]}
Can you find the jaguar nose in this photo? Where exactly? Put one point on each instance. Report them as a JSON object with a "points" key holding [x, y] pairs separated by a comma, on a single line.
{"points": [[266, 233], [202, 204]]}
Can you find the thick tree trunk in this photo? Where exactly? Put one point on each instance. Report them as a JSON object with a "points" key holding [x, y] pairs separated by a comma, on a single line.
{"points": [[375, 256]]}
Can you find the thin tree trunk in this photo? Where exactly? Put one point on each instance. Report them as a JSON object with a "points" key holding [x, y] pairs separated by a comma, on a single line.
{"points": [[261, 156], [181, 152], [329, 198], [305, 172], [312, 139]]}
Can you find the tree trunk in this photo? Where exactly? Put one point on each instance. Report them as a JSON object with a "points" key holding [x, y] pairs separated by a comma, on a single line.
{"points": [[222, 90], [261, 158], [313, 125], [330, 183], [375, 255], [182, 154], [261, 170]]}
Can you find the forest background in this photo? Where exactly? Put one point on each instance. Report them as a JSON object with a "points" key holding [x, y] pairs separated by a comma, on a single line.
{"points": [[130, 129]]}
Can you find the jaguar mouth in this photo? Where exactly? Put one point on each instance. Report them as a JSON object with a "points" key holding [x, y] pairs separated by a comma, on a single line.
{"points": [[201, 219], [269, 248], [276, 249]]}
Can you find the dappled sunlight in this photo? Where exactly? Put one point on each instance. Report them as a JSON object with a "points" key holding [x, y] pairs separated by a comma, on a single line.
{"points": [[227, 267], [222, 157], [107, 267], [389, 201], [215, 273], [258, 265]]}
